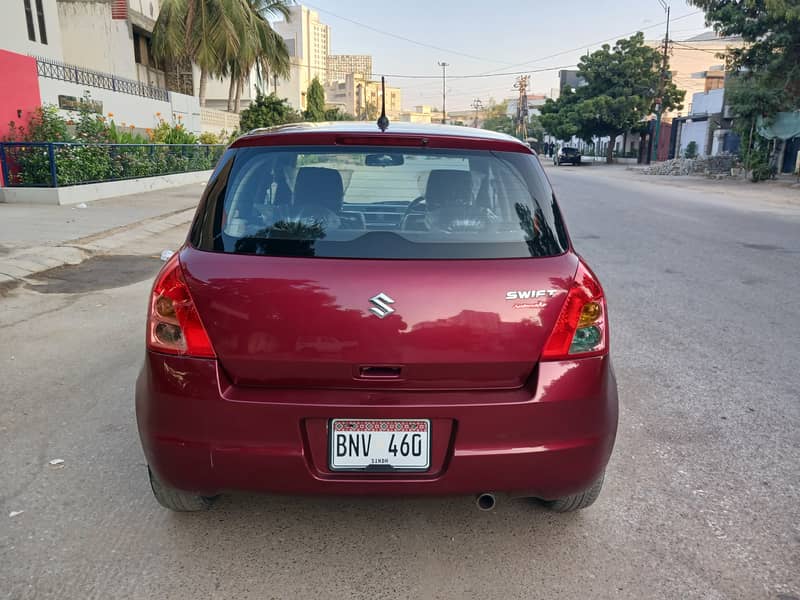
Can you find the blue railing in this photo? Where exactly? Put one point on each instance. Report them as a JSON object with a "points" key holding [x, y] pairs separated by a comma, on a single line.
{"points": [[58, 164], [55, 69]]}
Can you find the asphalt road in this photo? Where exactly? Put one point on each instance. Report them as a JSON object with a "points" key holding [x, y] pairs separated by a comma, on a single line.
{"points": [[702, 498]]}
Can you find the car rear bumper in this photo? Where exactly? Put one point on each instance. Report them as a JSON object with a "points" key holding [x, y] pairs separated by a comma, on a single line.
{"points": [[549, 439]]}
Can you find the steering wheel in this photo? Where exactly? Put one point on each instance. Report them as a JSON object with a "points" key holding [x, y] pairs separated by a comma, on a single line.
{"points": [[414, 206]]}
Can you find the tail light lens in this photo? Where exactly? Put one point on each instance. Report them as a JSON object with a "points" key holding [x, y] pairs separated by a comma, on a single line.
{"points": [[581, 328], [173, 323]]}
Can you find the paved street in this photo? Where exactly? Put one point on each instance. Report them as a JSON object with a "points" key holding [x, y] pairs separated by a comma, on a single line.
{"points": [[702, 498]]}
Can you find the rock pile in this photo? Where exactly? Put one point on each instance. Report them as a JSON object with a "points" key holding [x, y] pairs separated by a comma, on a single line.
{"points": [[710, 166]]}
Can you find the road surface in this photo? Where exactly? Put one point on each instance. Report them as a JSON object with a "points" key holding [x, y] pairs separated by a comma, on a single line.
{"points": [[702, 498]]}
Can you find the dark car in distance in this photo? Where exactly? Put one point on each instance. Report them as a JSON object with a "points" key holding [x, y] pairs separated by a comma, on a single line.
{"points": [[567, 155], [377, 313]]}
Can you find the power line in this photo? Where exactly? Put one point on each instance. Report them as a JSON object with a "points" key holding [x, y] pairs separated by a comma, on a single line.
{"points": [[585, 46], [403, 38], [433, 77]]}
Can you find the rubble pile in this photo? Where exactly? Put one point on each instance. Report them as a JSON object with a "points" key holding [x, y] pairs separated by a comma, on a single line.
{"points": [[710, 166]]}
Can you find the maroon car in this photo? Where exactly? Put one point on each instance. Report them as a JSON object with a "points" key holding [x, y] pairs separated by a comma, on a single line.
{"points": [[366, 312]]}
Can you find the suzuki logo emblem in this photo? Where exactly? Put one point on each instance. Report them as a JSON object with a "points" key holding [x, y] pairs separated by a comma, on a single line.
{"points": [[381, 308]]}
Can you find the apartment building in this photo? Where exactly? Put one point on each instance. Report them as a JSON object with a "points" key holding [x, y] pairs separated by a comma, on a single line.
{"points": [[308, 41], [340, 65], [361, 97]]}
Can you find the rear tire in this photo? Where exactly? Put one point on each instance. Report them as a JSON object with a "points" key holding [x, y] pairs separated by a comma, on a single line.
{"points": [[577, 501], [175, 499]]}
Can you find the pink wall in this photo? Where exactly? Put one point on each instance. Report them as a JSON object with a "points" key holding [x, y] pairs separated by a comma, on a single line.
{"points": [[20, 91]]}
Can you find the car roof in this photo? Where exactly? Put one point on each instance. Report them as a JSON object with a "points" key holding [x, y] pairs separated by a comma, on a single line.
{"points": [[397, 134]]}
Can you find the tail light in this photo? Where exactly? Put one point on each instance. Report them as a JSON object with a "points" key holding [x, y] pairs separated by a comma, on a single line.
{"points": [[582, 327], [173, 323]]}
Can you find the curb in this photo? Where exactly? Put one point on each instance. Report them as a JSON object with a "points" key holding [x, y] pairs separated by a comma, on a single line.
{"points": [[27, 262]]}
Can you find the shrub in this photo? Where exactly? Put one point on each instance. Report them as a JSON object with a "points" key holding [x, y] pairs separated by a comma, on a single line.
{"points": [[208, 137], [171, 133], [267, 111], [691, 150]]}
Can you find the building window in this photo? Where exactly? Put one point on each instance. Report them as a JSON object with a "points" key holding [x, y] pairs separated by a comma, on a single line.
{"points": [[29, 21], [40, 18]]}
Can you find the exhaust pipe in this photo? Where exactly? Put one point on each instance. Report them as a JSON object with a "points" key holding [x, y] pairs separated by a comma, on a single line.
{"points": [[485, 501]]}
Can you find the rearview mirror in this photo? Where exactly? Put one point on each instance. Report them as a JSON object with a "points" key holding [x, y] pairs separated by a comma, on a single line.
{"points": [[384, 160]]}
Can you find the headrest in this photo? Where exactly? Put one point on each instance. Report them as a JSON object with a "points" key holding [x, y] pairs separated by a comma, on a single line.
{"points": [[320, 186], [448, 188]]}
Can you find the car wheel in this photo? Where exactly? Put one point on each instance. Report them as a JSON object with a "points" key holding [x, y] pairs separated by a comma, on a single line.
{"points": [[577, 501], [177, 500]]}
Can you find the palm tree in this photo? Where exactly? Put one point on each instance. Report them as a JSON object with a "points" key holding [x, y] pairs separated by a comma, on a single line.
{"points": [[222, 37], [261, 49]]}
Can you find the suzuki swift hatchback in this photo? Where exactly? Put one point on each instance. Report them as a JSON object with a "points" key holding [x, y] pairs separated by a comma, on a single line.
{"points": [[366, 312]]}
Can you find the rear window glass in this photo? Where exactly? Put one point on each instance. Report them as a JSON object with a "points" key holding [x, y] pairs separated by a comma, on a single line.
{"points": [[380, 203]]}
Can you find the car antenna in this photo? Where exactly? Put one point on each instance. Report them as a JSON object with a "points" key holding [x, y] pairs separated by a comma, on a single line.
{"points": [[383, 120]]}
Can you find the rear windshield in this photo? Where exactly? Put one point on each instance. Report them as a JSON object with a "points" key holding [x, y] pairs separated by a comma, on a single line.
{"points": [[569, 150], [380, 203]]}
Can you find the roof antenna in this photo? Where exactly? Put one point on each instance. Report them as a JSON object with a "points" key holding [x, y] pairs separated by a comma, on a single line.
{"points": [[383, 120]]}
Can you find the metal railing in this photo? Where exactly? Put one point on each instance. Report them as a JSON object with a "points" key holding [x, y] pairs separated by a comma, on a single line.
{"points": [[59, 164], [55, 69]]}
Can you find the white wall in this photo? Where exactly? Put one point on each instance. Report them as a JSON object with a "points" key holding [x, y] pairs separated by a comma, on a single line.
{"points": [[128, 109], [188, 107], [14, 29], [695, 131], [93, 40], [149, 8], [708, 103]]}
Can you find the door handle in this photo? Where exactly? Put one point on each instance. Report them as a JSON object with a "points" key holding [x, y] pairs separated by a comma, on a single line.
{"points": [[379, 372]]}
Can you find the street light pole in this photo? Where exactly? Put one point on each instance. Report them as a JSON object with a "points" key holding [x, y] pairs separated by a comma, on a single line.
{"points": [[660, 99], [444, 66]]}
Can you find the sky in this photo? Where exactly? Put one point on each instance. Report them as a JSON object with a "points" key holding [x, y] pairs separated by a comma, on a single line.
{"points": [[502, 37]]}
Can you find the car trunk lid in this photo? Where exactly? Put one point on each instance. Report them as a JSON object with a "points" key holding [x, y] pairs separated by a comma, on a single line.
{"points": [[350, 323]]}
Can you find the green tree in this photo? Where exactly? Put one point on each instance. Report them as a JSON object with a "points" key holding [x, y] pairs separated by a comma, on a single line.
{"points": [[560, 119], [334, 114], [622, 84], [497, 118], [261, 49], [315, 102], [222, 37], [268, 111], [764, 76], [770, 57]]}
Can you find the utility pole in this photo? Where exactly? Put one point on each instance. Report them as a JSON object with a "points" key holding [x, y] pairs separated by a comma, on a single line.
{"points": [[444, 66], [478, 106], [661, 87], [522, 106]]}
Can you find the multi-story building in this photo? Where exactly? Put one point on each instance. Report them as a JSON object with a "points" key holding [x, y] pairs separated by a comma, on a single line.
{"points": [[570, 78], [361, 97], [341, 65], [696, 65], [308, 41], [60, 50]]}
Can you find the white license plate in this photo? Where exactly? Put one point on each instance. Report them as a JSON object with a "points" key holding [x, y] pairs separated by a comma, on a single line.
{"points": [[380, 444]]}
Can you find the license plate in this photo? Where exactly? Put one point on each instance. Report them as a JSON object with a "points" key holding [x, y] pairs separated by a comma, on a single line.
{"points": [[380, 444]]}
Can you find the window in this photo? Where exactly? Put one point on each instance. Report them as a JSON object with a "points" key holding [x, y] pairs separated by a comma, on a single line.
{"points": [[29, 20], [40, 17], [381, 203]]}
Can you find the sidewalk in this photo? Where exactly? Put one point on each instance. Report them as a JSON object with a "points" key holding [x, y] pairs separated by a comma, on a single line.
{"points": [[37, 238]]}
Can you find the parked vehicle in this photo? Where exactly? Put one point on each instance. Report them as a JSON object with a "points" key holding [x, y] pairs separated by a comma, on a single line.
{"points": [[568, 155], [328, 329]]}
